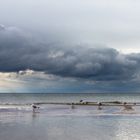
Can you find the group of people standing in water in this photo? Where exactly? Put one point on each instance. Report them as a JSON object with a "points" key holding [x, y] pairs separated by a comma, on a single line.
{"points": [[99, 104]]}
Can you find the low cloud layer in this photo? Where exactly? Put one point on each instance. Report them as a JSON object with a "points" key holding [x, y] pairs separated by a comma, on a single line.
{"points": [[19, 51]]}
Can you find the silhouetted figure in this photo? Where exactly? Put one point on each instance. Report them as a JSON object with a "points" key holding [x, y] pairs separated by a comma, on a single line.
{"points": [[127, 107], [34, 107], [99, 106]]}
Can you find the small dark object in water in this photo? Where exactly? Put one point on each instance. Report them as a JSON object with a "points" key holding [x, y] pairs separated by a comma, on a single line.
{"points": [[81, 101], [34, 107], [127, 107], [99, 106], [125, 103]]}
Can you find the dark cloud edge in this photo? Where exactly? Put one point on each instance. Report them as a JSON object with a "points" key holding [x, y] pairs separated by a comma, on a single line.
{"points": [[19, 51]]}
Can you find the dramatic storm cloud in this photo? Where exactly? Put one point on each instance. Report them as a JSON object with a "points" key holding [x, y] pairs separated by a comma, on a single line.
{"points": [[69, 46], [19, 51]]}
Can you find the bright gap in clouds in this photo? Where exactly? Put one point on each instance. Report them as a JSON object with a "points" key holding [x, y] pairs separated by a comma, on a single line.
{"points": [[29, 81]]}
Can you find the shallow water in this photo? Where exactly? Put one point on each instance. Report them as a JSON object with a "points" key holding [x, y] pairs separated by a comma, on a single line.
{"points": [[27, 126], [60, 122]]}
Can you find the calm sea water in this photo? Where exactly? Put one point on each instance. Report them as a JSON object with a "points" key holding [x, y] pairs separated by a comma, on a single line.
{"points": [[29, 98], [63, 123]]}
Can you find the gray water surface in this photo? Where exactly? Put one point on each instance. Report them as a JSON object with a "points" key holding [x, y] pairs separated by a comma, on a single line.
{"points": [[62, 123], [41, 127]]}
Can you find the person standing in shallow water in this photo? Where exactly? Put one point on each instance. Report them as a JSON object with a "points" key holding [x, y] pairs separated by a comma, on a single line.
{"points": [[34, 107], [127, 107], [99, 106]]}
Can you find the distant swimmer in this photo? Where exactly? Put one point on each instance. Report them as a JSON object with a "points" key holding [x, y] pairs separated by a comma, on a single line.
{"points": [[99, 106], [127, 107], [34, 107]]}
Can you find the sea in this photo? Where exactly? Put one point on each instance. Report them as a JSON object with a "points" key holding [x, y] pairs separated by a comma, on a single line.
{"points": [[62, 122]]}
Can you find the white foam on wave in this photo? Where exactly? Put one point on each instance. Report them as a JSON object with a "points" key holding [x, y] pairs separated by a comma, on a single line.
{"points": [[14, 108], [66, 110]]}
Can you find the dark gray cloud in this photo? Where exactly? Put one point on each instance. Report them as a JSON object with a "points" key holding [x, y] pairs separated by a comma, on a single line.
{"points": [[19, 51]]}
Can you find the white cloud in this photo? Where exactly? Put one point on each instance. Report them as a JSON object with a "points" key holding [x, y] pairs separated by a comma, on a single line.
{"points": [[111, 22]]}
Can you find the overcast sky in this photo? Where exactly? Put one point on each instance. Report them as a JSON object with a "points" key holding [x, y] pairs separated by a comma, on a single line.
{"points": [[69, 45]]}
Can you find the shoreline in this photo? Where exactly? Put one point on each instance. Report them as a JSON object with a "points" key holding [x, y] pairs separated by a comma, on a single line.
{"points": [[107, 103]]}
